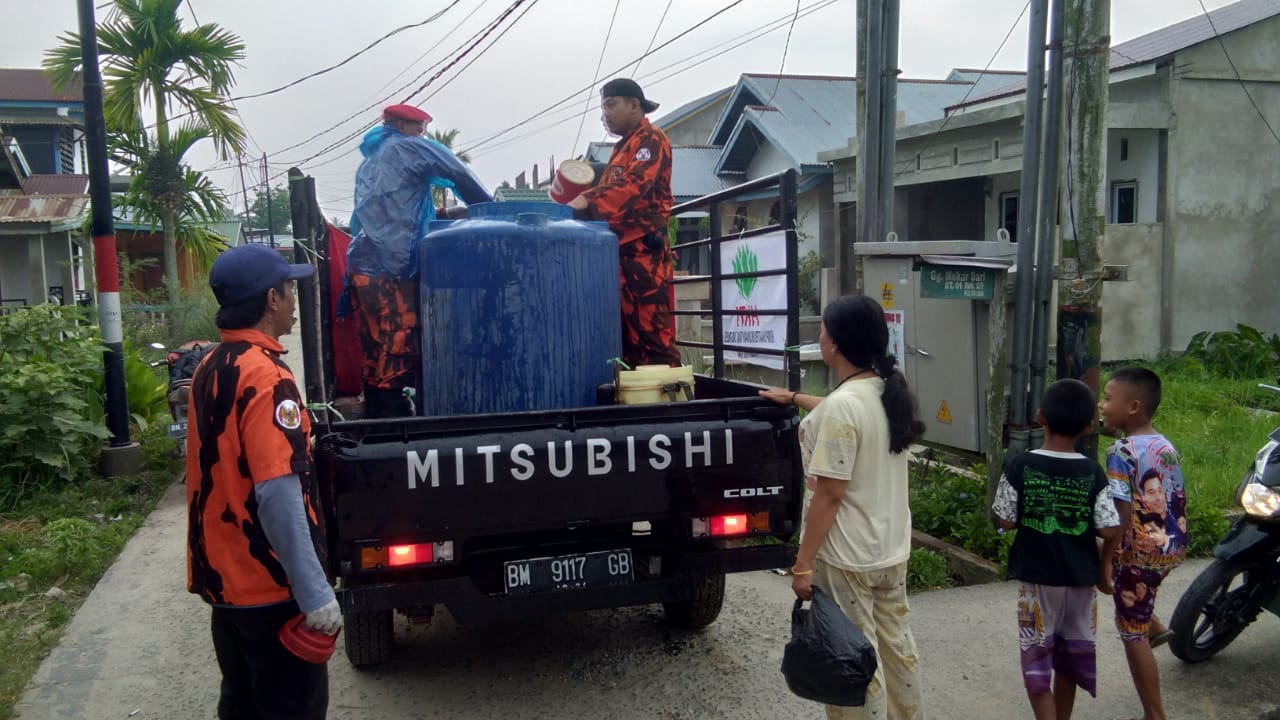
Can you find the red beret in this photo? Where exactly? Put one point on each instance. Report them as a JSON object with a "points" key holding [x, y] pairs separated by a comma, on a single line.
{"points": [[405, 112]]}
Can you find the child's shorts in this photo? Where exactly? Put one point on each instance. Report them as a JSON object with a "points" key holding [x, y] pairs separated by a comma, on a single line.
{"points": [[1135, 599], [1057, 631]]}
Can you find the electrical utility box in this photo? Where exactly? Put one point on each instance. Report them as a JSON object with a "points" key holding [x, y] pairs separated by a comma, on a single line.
{"points": [[937, 296]]}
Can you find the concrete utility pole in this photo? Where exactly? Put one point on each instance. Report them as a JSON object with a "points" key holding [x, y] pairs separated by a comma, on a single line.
{"points": [[869, 127], [1024, 281], [1087, 68], [889, 28]]}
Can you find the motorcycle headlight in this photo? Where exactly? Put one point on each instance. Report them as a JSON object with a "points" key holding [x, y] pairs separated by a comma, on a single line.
{"points": [[1260, 501]]}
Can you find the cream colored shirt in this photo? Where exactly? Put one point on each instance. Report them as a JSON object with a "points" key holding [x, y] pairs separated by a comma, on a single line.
{"points": [[846, 437]]}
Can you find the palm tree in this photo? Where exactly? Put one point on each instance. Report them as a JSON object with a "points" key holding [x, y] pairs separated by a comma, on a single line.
{"points": [[151, 63], [447, 138]]}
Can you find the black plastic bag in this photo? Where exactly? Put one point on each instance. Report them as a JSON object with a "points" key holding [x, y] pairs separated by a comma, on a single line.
{"points": [[828, 659]]}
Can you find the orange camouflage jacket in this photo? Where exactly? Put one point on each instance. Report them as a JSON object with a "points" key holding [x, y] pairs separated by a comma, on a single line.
{"points": [[634, 196]]}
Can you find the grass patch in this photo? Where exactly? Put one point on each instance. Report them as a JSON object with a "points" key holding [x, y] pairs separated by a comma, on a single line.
{"points": [[1215, 424], [66, 536], [927, 570]]}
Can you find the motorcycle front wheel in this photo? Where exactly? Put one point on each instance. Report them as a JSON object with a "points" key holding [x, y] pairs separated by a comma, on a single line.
{"points": [[1217, 606]]}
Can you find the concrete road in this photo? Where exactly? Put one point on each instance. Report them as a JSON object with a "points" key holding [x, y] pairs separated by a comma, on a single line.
{"points": [[139, 648]]}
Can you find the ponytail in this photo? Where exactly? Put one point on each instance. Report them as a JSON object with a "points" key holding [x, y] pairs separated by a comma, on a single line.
{"points": [[900, 407], [856, 324]]}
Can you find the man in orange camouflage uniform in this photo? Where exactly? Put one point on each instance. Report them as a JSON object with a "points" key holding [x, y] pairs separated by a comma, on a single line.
{"points": [[255, 533], [634, 197]]}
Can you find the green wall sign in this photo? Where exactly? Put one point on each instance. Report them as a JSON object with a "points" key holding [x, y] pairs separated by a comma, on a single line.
{"points": [[946, 282]]}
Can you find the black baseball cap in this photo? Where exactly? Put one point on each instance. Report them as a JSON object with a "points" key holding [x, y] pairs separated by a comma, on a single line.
{"points": [[628, 88], [246, 271]]}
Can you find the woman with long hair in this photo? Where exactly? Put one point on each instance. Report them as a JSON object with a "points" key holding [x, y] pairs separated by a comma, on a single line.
{"points": [[856, 536]]}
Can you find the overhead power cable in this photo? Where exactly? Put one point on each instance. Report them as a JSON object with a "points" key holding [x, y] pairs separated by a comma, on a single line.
{"points": [[652, 39], [596, 78], [493, 26], [572, 96], [734, 43], [1236, 71], [386, 98], [785, 47], [907, 166], [324, 71]]}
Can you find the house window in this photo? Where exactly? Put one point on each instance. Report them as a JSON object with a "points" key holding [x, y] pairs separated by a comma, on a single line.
{"points": [[917, 162], [1124, 149], [1124, 203], [995, 149], [1009, 214], [740, 219], [955, 156]]}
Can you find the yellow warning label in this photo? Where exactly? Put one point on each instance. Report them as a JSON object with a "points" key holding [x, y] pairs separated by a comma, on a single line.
{"points": [[944, 413], [886, 295]]}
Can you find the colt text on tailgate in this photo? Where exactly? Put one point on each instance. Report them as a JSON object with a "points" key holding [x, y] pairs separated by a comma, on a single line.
{"points": [[522, 461]]}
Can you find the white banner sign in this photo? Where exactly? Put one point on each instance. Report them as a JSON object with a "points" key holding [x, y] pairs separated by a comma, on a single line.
{"points": [[755, 254]]}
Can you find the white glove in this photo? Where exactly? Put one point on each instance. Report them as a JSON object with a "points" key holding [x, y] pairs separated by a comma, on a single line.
{"points": [[326, 619]]}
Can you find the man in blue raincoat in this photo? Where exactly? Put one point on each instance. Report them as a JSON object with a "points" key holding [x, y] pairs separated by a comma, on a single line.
{"points": [[393, 205]]}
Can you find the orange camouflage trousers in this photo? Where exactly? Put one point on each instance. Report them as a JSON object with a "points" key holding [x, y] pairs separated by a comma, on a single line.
{"points": [[648, 326], [390, 349]]}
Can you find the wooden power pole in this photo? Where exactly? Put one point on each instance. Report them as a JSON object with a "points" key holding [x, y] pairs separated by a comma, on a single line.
{"points": [[1086, 68]]}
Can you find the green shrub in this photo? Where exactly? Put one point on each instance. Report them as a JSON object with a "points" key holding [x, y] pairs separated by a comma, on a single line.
{"points": [[927, 570], [50, 357], [1245, 353], [952, 506]]}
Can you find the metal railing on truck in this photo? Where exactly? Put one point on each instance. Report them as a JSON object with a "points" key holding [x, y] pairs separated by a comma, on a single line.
{"points": [[785, 221], [311, 245]]}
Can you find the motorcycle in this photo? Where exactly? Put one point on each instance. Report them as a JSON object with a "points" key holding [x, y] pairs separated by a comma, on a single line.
{"points": [[182, 362], [1244, 577]]}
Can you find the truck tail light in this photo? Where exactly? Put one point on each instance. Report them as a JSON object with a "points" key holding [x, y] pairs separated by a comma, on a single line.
{"points": [[373, 557], [731, 525]]}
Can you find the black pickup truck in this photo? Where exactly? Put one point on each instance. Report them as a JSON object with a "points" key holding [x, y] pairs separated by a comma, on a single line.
{"points": [[534, 513]]}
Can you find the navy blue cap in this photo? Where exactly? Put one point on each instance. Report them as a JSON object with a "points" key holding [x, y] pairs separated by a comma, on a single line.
{"points": [[246, 271]]}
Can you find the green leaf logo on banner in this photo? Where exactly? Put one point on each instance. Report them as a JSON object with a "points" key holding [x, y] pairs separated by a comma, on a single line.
{"points": [[745, 262]]}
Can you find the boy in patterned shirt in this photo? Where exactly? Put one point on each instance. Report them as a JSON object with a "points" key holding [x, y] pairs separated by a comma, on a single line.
{"points": [[1149, 493], [1058, 501]]}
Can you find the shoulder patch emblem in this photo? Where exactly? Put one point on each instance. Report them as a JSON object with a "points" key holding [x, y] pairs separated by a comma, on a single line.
{"points": [[643, 154], [288, 415]]}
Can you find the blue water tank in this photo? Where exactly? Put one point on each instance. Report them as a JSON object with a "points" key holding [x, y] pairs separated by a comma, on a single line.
{"points": [[519, 310]]}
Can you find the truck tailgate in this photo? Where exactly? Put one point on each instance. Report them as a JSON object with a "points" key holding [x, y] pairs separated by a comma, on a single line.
{"points": [[498, 474]]}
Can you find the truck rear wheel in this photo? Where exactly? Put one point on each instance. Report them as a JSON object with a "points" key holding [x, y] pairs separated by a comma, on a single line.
{"points": [[368, 637], [701, 609]]}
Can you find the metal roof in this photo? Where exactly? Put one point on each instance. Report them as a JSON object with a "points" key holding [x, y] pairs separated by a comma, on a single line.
{"points": [[58, 212], [691, 108], [599, 151], [11, 119], [693, 171], [806, 115], [511, 194], [1166, 41], [32, 85], [67, 184]]}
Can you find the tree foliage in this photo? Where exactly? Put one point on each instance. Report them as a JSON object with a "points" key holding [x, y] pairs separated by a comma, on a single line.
{"points": [[278, 218], [151, 63]]}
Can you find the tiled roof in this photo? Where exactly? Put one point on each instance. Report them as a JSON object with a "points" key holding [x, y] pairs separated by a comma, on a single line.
{"points": [[56, 185], [1164, 42], [32, 85]]}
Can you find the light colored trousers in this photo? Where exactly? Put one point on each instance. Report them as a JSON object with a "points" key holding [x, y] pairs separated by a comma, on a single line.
{"points": [[876, 602]]}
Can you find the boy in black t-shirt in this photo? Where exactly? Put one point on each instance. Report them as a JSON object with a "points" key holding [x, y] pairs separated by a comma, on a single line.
{"points": [[1058, 501]]}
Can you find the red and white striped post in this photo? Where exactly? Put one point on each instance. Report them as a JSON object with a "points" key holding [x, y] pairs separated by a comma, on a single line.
{"points": [[119, 456]]}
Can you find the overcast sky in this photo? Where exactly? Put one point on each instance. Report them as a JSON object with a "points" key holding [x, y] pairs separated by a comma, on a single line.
{"points": [[549, 54]]}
